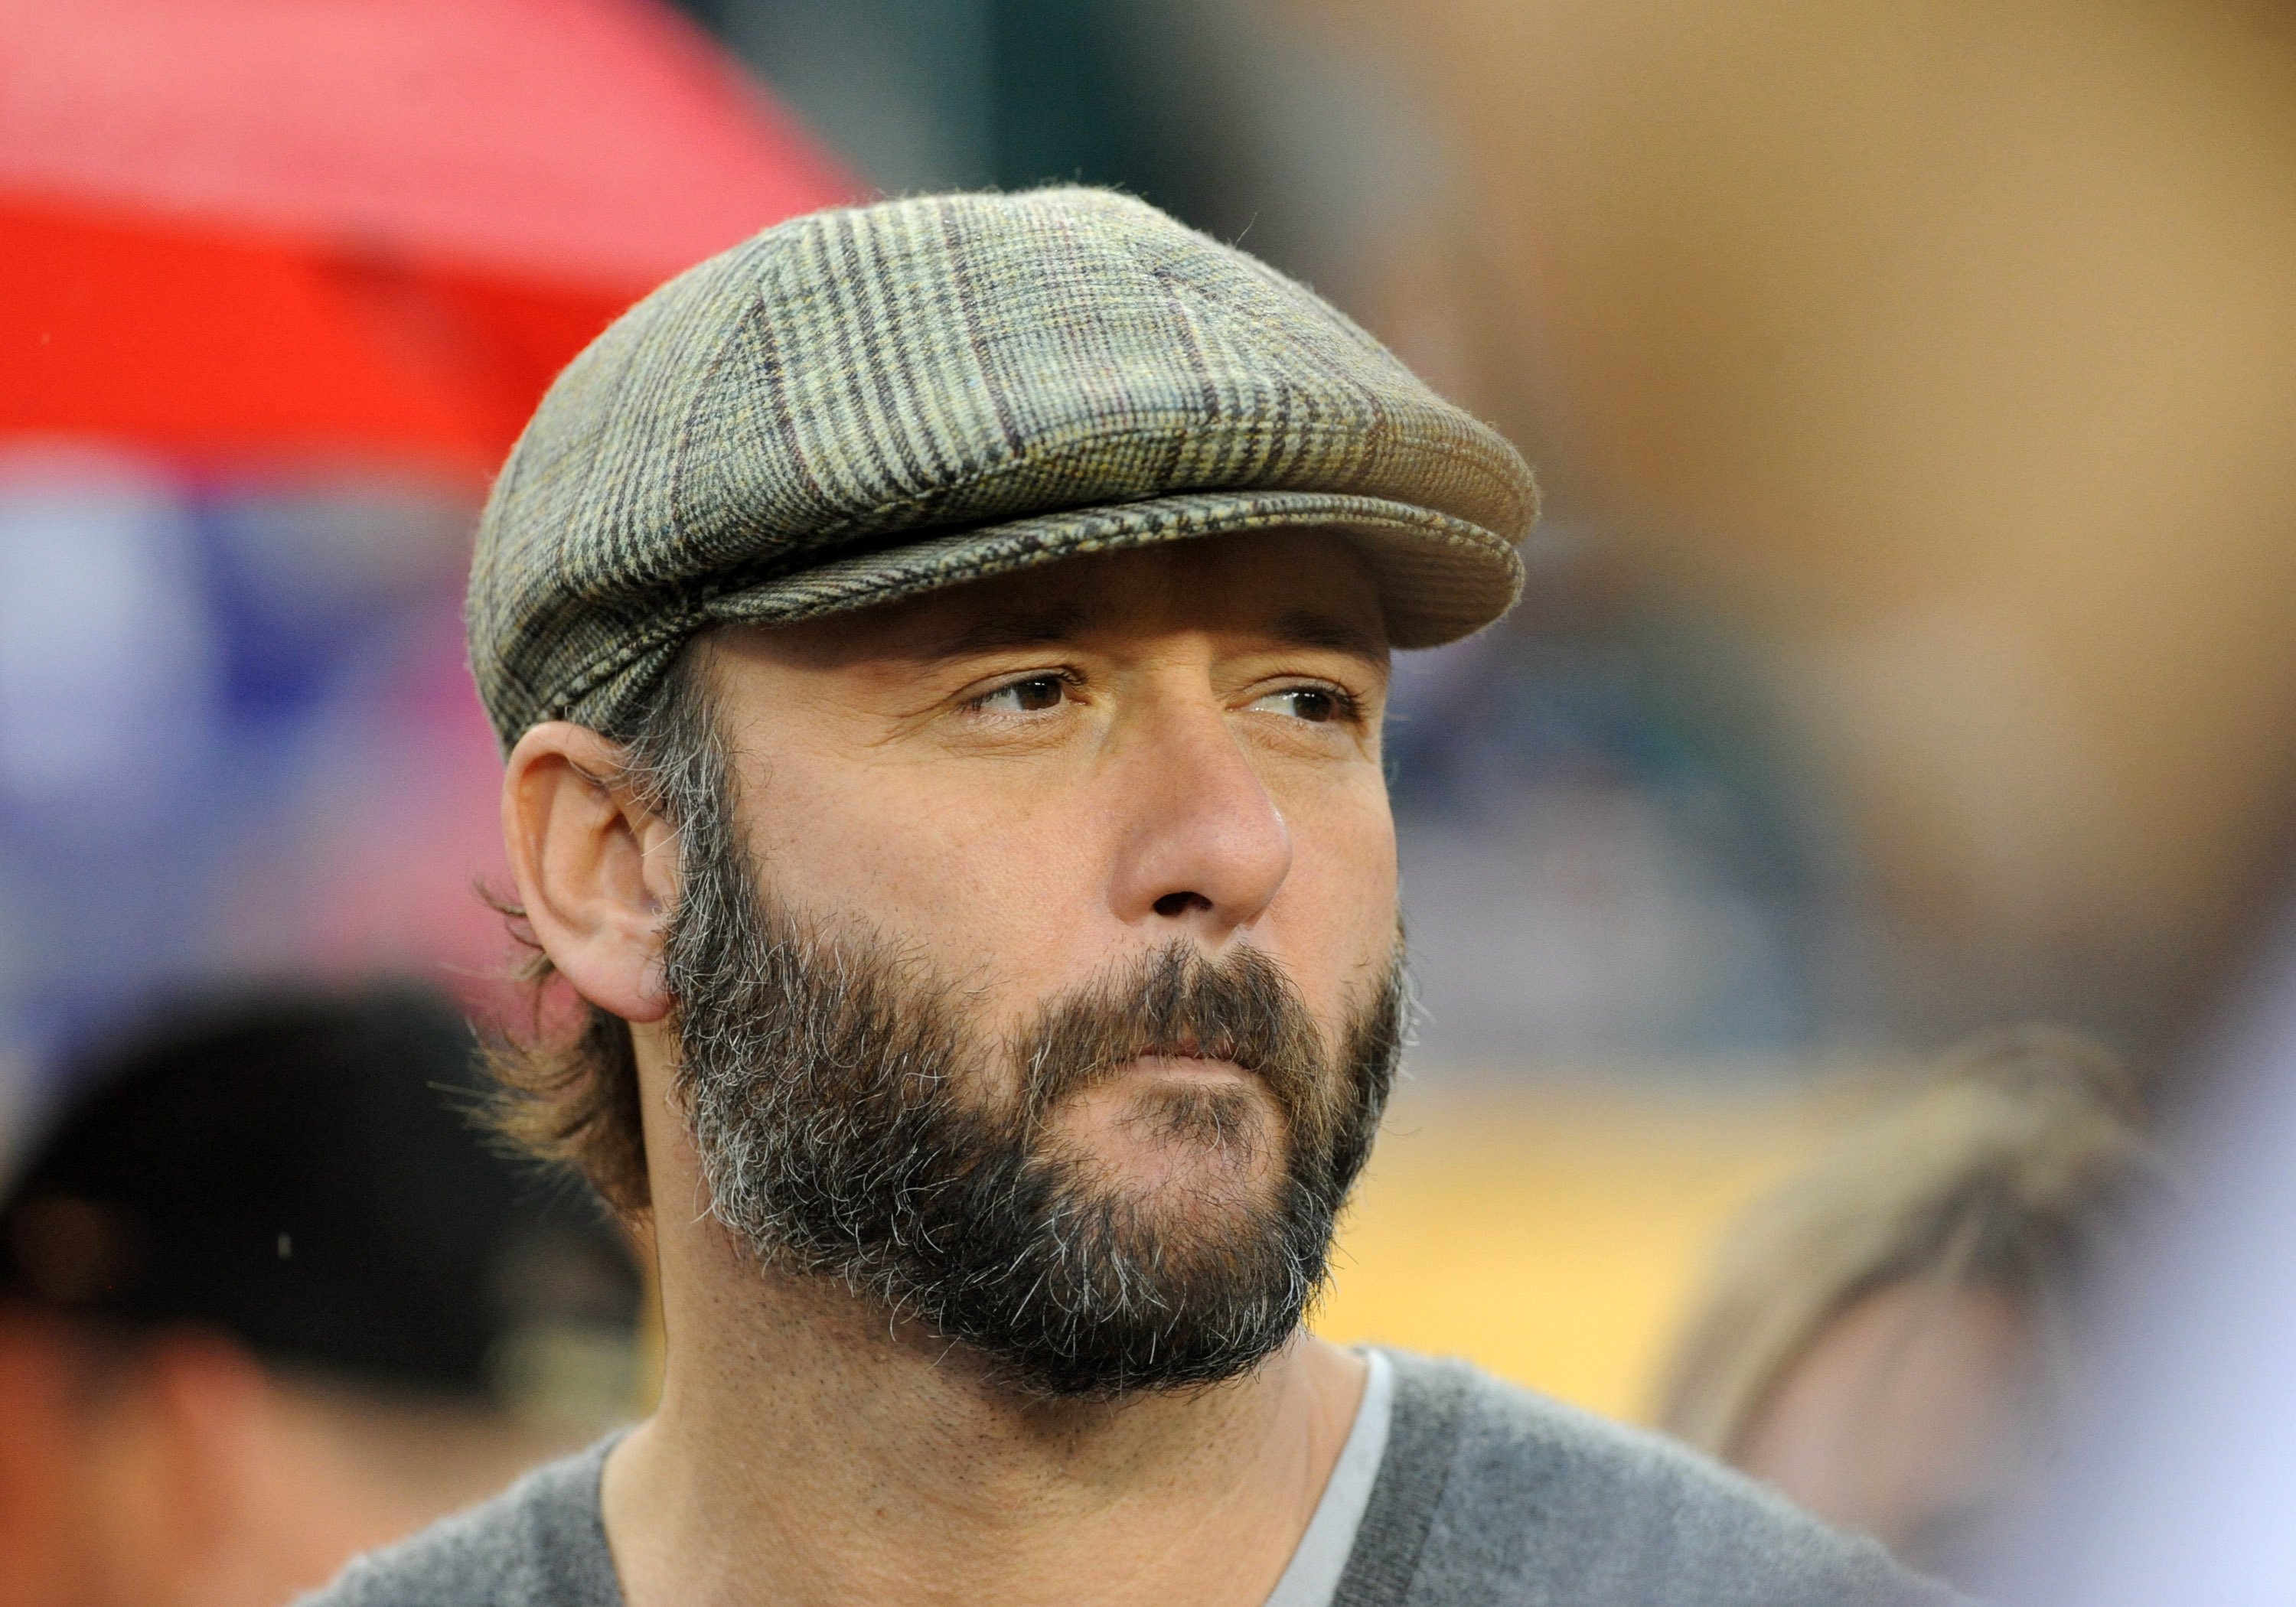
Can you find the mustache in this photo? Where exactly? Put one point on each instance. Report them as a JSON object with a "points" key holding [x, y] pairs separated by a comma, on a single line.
{"points": [[1176, 1001]]}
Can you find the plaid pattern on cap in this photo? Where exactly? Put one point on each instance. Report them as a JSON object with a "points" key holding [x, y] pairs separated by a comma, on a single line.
{"points": [[871, 402]]}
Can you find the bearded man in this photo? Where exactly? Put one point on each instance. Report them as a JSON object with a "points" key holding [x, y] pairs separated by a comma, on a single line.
{"points": [[939, 648]]}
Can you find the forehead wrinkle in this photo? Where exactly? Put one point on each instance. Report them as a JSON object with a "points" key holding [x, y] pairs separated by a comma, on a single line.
{"points": [[1160, 592], [1057, 624]]}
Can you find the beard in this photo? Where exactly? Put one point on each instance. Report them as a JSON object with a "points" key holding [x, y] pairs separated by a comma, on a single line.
{"points": [[851, 1123]]}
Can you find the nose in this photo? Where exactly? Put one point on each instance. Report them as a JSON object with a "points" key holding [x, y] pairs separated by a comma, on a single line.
{"points": [[1201, 844]]}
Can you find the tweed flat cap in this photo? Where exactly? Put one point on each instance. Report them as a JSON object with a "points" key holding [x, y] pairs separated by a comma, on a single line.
{"points": [[872, 402]]}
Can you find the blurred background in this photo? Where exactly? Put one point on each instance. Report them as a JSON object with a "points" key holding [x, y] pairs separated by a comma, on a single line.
{"points": [[1909, 646]]}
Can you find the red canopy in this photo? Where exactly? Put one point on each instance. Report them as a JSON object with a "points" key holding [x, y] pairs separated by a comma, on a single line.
{"points": [[255, 225]]}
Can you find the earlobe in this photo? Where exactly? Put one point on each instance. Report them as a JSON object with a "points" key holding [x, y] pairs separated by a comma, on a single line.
{"points": [[596, 870]]}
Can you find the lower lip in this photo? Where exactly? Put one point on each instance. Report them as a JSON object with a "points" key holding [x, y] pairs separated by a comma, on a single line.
{"points": [[1190, 1068]]}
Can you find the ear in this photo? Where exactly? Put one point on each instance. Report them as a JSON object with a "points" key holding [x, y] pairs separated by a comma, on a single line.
{"points": [[172, 1447], [596, 870], [208, 1397], [47, 1455]]}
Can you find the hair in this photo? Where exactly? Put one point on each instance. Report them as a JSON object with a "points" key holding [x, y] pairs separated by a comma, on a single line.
{"points": [[2008, 1171], [566, 1091]]}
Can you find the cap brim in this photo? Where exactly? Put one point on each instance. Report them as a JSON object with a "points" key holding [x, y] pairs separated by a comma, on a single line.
{"points": [[1439, 578]]}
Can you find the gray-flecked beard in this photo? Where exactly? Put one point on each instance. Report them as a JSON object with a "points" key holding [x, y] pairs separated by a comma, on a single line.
{"points": [[846, 1110]]}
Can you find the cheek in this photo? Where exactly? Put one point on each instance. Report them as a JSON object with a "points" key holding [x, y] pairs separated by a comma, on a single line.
{"points": [[1003, 873], [973, 865], [1334, 921]]}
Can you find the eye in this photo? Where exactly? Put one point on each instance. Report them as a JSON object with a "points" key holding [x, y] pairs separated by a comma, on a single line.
{"points": [[1029, 696], [1316, 704]]}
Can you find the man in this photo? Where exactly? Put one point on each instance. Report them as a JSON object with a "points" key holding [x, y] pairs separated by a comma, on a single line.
{"points": [[266, 1301], [939, 648]]}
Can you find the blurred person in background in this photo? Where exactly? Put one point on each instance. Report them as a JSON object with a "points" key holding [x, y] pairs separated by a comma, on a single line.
{"points": [[939, 649], [266, 1299], [1923, 366], [2179, 1470], [1890, 1337]]}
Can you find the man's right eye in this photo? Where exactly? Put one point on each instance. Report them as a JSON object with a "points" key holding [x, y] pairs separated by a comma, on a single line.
{"points": [[1023, 697]]}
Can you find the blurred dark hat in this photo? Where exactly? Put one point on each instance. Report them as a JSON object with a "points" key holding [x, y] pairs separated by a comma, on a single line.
{"points": [[296, 1168]]}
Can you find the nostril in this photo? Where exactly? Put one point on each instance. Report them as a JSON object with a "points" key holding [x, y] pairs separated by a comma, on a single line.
{"points": [[1180, 904]]}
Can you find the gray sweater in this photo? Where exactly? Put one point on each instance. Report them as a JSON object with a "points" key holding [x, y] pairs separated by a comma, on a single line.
{"points": [[1488, 1494]]}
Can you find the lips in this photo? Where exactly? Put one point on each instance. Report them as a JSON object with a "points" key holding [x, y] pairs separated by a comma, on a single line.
{"points": [[1191, 1049]]}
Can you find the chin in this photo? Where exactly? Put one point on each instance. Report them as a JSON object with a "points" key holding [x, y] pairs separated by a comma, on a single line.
{"points": [[1183, 1147]]}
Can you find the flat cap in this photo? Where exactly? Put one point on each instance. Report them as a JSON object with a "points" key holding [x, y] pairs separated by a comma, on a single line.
{"points": [[871, 402]]}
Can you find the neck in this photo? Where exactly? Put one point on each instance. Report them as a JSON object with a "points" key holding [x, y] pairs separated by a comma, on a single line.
{"points": [[810, 1450]]}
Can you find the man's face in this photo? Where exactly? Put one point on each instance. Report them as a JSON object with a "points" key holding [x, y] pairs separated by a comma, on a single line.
{"points": [[1081, 883], [1033, 779]]}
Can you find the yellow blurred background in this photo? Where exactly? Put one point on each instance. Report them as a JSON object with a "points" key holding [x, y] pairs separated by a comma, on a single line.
{"points": [[1556, 1234]]}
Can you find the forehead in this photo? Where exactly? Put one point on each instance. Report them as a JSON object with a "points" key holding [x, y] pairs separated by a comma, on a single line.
{"points": [[1305, 587]]}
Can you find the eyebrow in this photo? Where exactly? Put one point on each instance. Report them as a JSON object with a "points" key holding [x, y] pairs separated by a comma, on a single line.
{"points": [[1305, 627], [1049, 626], [1039, 628]]}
